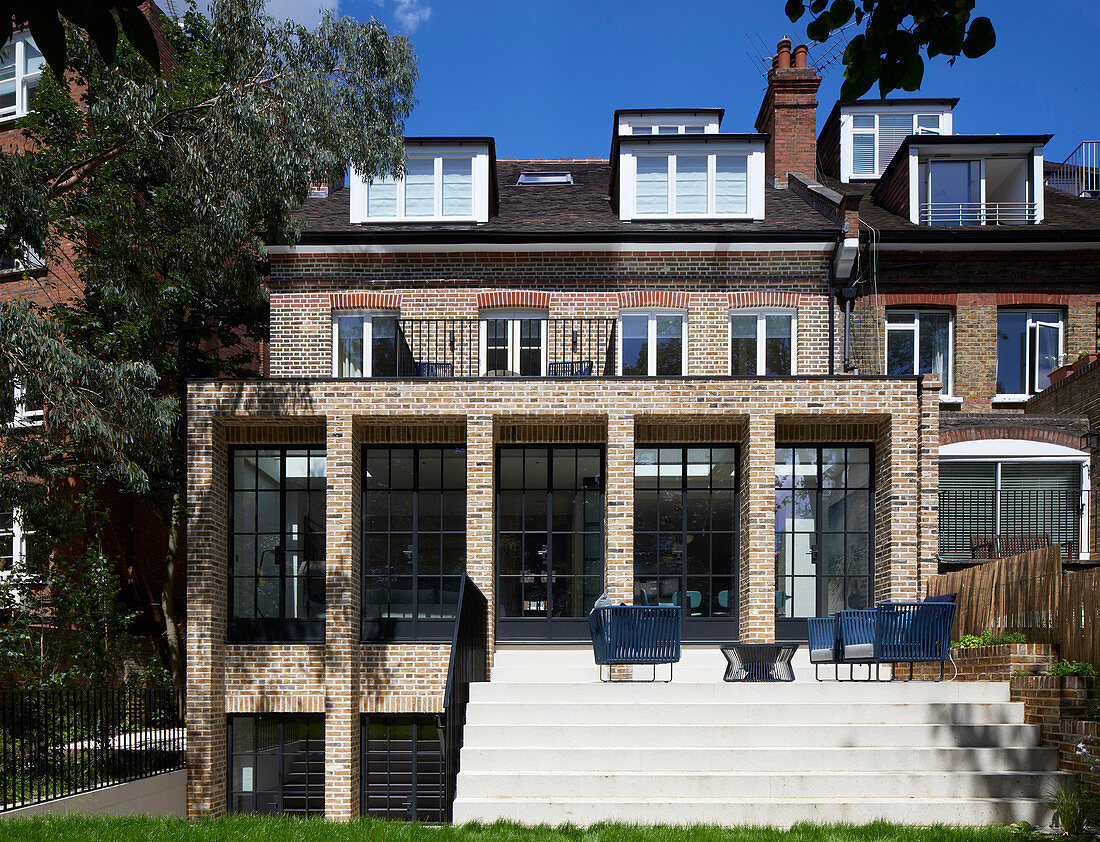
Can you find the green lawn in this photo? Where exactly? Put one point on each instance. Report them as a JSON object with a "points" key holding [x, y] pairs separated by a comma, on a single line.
{"points": [[253, 829]]}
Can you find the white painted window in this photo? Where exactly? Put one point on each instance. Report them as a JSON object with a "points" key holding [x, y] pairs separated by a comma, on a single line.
{"points": [[365, 344], [14, 543], [920, 342], [447, 184], [21, 66], [694, 184], [513, 343], [762, 343], [1029, 348], [28, 406], [876, 138], [652, 343]]}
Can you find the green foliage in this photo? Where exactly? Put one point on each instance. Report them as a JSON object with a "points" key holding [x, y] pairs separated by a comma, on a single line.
{"points": [[77, 828], [1072, 668], [1075, 805], [894, 32], [988, 638], [1092, 709]]}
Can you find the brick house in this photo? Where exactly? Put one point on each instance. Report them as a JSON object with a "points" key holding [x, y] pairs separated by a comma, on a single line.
{"points": [[646, 376]]}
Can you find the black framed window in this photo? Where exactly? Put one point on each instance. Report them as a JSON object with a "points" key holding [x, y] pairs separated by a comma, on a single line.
{"points": [[277, 544], [550, 503], [824, 542], [685, 533], [402, 773], [414, 540], [277, 764]]}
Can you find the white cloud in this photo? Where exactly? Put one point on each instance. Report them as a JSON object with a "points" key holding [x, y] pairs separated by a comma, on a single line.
{"points": [[305, 12], [409, 14]]}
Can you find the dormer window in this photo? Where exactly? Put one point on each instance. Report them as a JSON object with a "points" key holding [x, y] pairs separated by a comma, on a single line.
{"points": [[667, 121], [441, 183], [870, 132], [976, 191], [21, 66]]}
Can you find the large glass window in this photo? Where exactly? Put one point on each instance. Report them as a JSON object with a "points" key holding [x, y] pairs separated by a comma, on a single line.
{"points": [[414, 540], [21, 66], [919, 342], [691, 184], [653, 344], [277, 544], [402, 775], [823, 530], [366, 345], [1029, 348], [434, 186], [514, 343], [550, 503], [277, 765], [762, 343], [685, 530]]}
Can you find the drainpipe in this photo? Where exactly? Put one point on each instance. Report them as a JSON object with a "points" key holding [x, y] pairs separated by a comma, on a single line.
{"points": [[832, 303]]}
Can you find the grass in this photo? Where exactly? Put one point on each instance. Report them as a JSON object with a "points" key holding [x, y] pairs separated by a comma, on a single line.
{"points": [[269, 829]]}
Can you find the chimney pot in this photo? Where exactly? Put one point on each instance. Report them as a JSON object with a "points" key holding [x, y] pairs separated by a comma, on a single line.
{"points": [[800, 57], [783, 54]]}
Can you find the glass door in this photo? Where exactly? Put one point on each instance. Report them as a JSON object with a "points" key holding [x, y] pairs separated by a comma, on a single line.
{"points": [[823, 534], [549, 538]]}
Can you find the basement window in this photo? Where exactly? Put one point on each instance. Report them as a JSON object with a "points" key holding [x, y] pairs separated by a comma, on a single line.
{"points": [[545, 178]]}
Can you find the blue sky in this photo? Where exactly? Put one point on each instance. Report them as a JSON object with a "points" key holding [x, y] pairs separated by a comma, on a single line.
{"points": [[543, 78]]}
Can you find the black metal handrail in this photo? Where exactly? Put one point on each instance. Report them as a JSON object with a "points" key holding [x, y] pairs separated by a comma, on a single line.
{"points": [[56, 743], [978, 524], [443, 347], [469, 662]]}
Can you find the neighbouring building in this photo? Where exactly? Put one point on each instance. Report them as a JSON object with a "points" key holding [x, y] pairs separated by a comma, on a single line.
{"points": [[732, 371]]}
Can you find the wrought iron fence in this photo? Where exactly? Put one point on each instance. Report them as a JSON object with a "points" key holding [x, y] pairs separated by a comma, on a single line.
{"points": [[468, 663], [56, 743], [977, 524], [439, 348]]}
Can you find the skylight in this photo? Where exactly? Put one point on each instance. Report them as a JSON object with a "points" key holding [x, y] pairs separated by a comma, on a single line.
{"points": [[545, 178]]}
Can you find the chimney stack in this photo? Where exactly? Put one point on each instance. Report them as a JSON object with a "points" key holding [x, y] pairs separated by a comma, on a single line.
{"points": [[788, 115]]}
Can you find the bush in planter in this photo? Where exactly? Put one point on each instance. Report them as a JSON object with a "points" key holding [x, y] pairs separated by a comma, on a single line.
{"points": [[1077, 669], [988, 638]]}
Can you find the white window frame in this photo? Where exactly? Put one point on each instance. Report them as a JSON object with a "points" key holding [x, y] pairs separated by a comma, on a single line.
{"points": [[367, 319], [479, 187], [21, 108], [671, 156], [651, 338], [1032, 360], [513, 317], [848, 131], [761, 336], [948, 385], [18, 543], [25, 417], [685, 122]]}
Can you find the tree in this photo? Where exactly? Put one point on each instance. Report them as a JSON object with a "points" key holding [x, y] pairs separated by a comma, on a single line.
{"points": [[168, 186], [888, 50]]}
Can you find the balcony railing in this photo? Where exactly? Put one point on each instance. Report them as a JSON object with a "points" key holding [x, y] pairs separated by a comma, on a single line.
{"points": [[437, 348], [976, 524], [978, 213], [1079, 174]]}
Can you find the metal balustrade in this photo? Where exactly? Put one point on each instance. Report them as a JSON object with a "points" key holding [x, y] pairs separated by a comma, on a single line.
{"points": [[1079, 174], [978, 213]]}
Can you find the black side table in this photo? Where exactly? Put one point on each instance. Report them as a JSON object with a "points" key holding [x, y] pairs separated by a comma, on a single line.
{"points": [[759, 661]]}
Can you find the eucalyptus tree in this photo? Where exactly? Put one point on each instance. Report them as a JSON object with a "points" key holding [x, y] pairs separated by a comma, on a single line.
{"points": [[166, 188]]}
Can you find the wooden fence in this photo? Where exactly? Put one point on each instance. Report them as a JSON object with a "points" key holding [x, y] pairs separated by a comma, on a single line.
{"points": [[1029, 593]]}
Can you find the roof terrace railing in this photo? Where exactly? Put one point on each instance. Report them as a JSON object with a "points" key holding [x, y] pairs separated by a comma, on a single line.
{"points": [[1079, 174], [978, 213]]}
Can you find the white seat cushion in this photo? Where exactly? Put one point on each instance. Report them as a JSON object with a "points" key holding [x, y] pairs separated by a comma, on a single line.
{"points": [[859, 651], [818, 655]]}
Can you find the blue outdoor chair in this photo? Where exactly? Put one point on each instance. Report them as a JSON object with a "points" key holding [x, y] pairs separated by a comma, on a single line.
{"points": [[914, 632], [847, 638], [635, 634]]}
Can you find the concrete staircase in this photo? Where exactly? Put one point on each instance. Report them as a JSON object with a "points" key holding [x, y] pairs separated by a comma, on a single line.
{"points": [[545, 742]]}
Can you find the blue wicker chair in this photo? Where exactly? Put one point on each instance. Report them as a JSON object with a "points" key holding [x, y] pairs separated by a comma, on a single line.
{"points": [[847, 638], [635, 634], [913, 632]]}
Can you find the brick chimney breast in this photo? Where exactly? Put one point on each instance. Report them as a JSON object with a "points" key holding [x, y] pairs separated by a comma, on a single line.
{"points": [[788, 115]]}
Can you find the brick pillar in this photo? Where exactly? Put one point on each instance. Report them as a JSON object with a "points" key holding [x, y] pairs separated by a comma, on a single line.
{"points": [[480, 467], [341, 620], [928, 483], [756, 582], [619, 488], [207, 587]]}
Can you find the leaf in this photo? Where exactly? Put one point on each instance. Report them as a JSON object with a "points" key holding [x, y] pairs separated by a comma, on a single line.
{"points": [[980, 38], [140, 34], [794, 9], [818, 6], [841, 12], [818, 30], [49, 37]]}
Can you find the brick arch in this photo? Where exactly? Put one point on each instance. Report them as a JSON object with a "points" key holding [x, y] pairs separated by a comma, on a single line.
{"points": [[654, 298], [364, 301], [1009, 430], [764, 298], [513, 300]]}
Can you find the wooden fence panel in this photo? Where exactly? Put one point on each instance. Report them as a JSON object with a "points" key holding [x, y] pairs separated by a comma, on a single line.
{"points": [[1029, 593]]}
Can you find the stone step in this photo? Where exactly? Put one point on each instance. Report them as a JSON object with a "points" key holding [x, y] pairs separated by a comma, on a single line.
{"points": [[553, 712], [526, 759], [676, 734], [678, 786], [730, 811]]}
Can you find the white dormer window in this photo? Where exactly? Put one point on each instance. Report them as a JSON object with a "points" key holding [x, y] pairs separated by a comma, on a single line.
{"points": [[701, 182], [440, 184], [870, 136], [705, 121], [21, 66]]}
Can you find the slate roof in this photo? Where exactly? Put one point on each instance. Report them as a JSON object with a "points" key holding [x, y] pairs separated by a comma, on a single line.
{"points": [[580, 211]]}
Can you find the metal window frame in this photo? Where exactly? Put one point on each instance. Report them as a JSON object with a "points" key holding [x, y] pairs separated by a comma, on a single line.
{"points": [[414, 773], [281, 719]]}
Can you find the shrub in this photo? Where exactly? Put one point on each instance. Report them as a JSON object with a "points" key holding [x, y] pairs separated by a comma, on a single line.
{"points": [[1072, 668], [988, 638]]}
